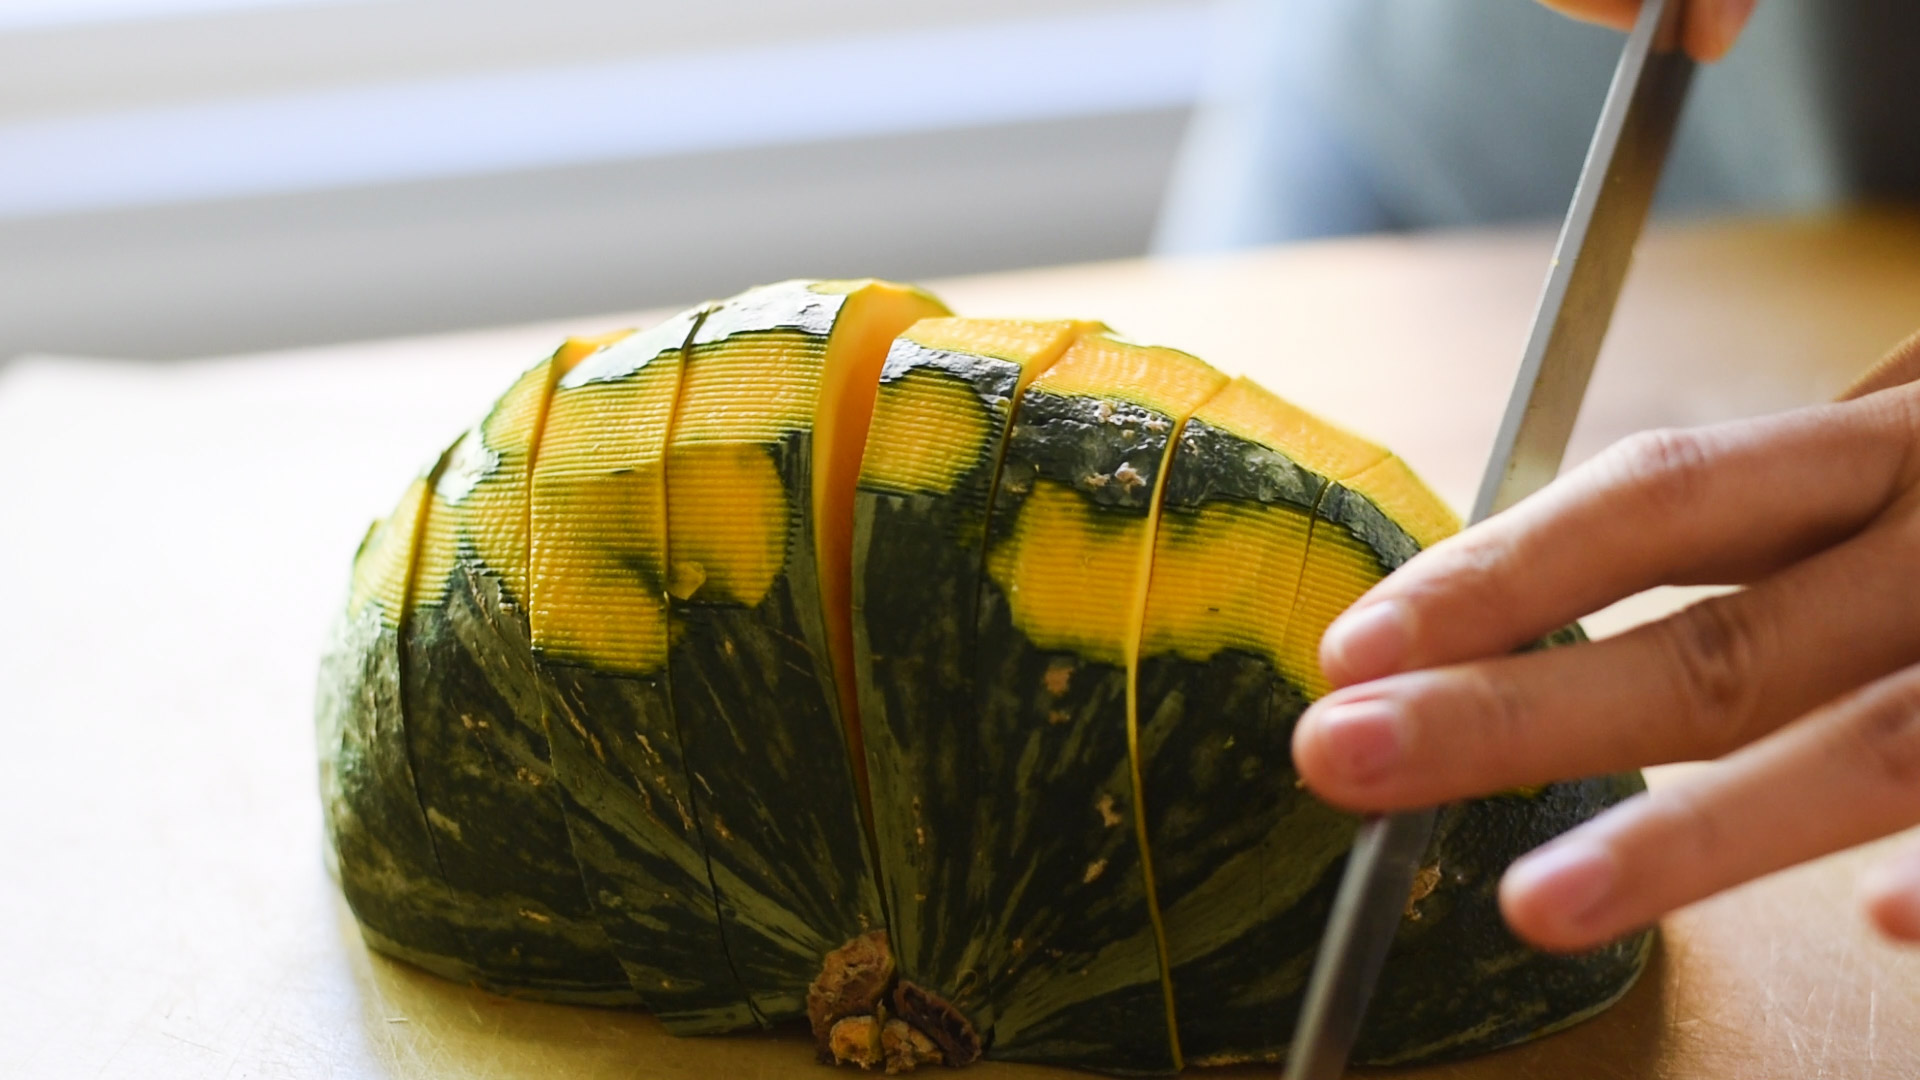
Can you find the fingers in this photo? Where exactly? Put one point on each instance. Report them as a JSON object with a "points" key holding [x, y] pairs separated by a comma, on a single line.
{"points": [[1897, 368], [1710, 27], [1891, 895], [1723, 503], [1845, 775], [1695, 685], [1618, 14]]}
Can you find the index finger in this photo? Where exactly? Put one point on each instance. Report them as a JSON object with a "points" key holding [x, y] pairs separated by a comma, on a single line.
{"points": [[1712, 505], [1708, 29]]}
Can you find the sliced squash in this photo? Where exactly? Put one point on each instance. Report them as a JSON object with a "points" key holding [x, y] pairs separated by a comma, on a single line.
{"points": [[1369, 522], [1070, 943], [598, 574], [475, 711], [761, 469], [1236, 840], [1273, 523], [940, 421], [1018, 788], [379, 845]]}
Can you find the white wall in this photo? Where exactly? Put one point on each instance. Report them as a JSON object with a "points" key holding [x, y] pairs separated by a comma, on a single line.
{"points": [[261, 173]]}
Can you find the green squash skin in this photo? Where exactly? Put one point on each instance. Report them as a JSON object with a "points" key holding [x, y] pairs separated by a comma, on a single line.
{"points": [[917, 571], [1456, 981], [377, 835], [642, 858], [1246, 861], [759, 714], [1354, 512], [475, 736], [612, 737], [1074, 965], [1236, 841]]}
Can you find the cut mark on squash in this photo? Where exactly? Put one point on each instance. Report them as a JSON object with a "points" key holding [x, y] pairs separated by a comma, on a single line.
{"points": [[1214, 568], [498, 507], [602, 382], [1137, 625], [689, 817], [382, 566], [420, 498], [1072, 565], [875, 312], [597, 541], [1355, 541]]}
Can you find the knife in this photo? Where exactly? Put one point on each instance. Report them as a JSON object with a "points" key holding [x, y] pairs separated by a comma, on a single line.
{"points": [[1589, 264]]}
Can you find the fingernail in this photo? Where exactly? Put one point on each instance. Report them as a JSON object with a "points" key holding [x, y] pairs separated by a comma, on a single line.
{"points": [[1369, 643], [1891, 894], [1362, 739], [1570, 881], [1725, 20]]}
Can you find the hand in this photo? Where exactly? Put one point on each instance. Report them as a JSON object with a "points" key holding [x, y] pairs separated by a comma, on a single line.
{"points": [[1708, 29], [1806, 683]]}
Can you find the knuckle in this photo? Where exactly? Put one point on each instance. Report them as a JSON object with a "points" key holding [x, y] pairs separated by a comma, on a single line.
{"points": [[1712, 656], [1891, 421], [1668, 469], [1887, 733], [1475, 575]]}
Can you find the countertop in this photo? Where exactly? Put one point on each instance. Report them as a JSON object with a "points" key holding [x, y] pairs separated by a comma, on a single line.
{"points": [[176, 537]]}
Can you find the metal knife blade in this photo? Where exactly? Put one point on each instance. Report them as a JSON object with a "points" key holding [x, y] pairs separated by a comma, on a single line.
{"points": [[1589, 264]]}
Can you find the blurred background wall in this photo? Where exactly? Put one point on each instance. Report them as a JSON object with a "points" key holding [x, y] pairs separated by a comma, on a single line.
{"points": [[185, 177]]}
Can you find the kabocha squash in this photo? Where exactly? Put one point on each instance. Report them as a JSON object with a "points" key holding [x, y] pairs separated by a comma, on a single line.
{"points": [[473, 720], [595, 517], [816, 653], [946, 399], [1073, 938], [378, 844]]}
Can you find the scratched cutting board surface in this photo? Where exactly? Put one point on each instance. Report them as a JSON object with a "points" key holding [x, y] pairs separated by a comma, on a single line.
{"points": [[175, 538]]}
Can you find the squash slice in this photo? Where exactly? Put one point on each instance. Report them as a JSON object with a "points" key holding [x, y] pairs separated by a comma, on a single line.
{"points": [[1236, 840], [761, 468], [1071, 945], [598, 575], [378, 843], [940, 422], [474, 711]]}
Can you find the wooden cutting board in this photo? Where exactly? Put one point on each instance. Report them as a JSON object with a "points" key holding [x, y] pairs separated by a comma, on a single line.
{"points": [[176, 537]]}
